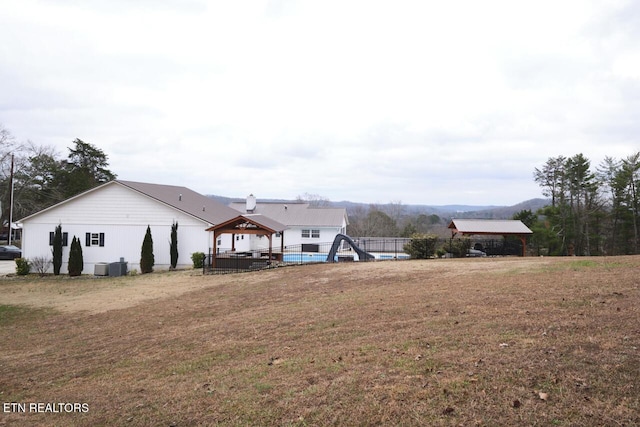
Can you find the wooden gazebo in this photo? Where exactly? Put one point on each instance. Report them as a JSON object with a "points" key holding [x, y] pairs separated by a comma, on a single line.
{"points": [[491, 227], [247, 224]]}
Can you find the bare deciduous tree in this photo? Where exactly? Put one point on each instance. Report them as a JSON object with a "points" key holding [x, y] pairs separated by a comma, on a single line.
{"points": [[314, 200]]}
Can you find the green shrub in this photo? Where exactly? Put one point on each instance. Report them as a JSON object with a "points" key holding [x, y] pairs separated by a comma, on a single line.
{"points": [[421, 246], [198, 259], [173, 246], [458, 247], [56, 250], [23, 266], [76, 260], [147, 260]]}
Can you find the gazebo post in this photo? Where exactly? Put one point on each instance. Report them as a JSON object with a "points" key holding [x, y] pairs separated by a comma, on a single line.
{"points": [[523, 239], [215, 249], [282, 243], [270, 249]]}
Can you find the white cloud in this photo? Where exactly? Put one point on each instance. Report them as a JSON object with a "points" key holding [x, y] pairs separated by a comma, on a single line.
{"points": [[424, 102]]}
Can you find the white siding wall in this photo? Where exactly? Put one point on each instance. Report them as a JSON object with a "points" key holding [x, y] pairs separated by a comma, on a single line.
{"points": [[122, 215], [292, 237], [241, 244]]}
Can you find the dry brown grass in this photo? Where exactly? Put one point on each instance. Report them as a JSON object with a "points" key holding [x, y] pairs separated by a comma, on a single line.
{"points": [[437, 342]]}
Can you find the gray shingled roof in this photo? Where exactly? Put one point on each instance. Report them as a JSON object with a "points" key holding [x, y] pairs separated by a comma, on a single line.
{"points": [[185, 200], [296, 214], [489, 226]]}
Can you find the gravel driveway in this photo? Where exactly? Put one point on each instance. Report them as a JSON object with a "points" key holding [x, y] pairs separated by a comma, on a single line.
{"points": [[7, 267]]}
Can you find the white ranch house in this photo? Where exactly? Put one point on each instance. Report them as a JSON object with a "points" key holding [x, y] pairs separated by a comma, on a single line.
{"points": [[305, 224], [111, 220]]}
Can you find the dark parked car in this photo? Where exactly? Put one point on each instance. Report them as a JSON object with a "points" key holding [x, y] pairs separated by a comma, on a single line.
{"points": [[10, 252], [475, 253]]}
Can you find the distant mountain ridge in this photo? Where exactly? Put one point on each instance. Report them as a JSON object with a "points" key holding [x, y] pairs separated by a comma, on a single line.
{"points": [[501, 212], [443, 211]]}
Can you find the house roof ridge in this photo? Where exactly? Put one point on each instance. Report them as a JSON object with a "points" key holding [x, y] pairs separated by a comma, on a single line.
{"points": [[189, 201], [177, 197]]}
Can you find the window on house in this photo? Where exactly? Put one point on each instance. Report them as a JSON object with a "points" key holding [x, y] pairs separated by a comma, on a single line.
{"points": [[315, 234], [94, 239], [65, 238]]}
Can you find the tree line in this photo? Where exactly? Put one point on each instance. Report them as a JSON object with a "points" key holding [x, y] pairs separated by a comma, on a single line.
{"points": [[42, 177], [393, 220], [381, 220], [591, 212]]}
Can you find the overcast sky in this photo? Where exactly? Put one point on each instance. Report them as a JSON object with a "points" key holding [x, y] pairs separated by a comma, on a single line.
{"points": [[419, 102]]}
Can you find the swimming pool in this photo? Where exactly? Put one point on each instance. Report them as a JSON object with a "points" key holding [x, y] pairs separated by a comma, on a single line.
{"points": [[305, 257], [390, 256], [320, 257]]}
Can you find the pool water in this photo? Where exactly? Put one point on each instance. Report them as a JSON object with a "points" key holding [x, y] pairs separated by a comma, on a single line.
{"points": [[387, 256], [320, 257], [305, 257]]}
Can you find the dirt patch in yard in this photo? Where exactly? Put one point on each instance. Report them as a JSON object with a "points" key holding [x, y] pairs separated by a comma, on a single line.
{"points": [[504, 341], [98, 294]]}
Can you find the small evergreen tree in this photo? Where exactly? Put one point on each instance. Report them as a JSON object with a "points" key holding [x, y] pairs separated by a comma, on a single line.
{"points": [[421, 246], [147, 259], [76, 261], [57, 250], [173, 247], [459, 247]]}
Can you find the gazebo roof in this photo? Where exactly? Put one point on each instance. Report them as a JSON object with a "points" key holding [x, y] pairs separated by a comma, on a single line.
{"points": [[489, 226], [249, 224]]}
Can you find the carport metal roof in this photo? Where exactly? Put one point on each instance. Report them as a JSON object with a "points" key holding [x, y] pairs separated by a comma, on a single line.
{"points": [[496, 227], [501, 227]]}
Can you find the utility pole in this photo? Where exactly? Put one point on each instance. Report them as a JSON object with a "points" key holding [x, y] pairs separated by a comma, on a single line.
{"points": [[11, 201]]}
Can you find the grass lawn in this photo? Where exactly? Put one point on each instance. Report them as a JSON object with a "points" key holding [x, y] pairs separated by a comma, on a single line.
{"points": [[495, 341]]}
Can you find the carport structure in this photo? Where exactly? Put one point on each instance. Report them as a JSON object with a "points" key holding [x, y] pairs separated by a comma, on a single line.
{"points": [[248, 224], [491, 227]]}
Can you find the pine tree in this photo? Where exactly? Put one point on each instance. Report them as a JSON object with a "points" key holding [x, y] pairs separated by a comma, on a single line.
{"points": [[76, 261], [147, 259], [86, 167], [173, 248], [57, 250]]}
